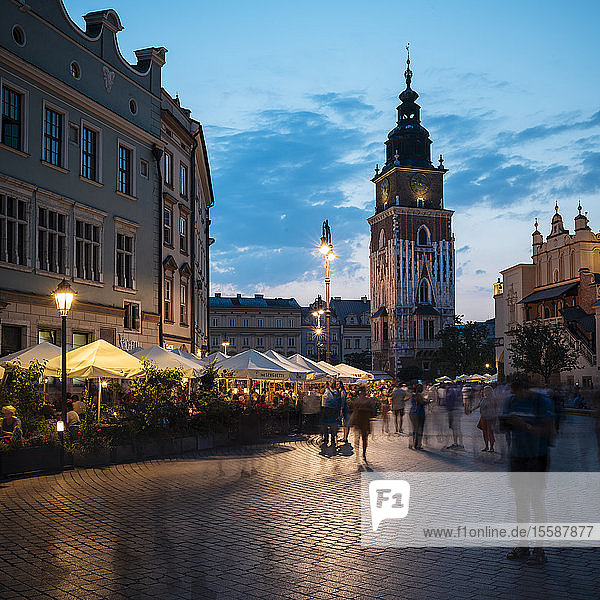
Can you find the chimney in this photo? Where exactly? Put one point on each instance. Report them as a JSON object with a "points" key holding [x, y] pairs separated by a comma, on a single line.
{"points": [[259, 296], [217, 294], [239, 295], [364, 299]]}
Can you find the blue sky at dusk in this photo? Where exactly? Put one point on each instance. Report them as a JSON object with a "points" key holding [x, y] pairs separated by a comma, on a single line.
{"points": [[296, 100]]}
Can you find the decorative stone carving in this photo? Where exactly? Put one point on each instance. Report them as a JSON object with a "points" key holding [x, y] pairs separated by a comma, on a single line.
{"points": [[109, 77]]}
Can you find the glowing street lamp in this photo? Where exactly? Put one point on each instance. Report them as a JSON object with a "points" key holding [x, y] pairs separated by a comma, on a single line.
{"points": [[225, 344], [63, 296], [326, 249]]}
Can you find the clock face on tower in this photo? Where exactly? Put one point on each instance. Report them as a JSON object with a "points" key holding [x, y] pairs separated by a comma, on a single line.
{"points": [[385, 190], [419, 184]]}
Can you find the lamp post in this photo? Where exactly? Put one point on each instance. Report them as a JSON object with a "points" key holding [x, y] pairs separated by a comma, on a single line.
{"points": [[326, 249], [63, 296], [225, 344], [318, 330]]}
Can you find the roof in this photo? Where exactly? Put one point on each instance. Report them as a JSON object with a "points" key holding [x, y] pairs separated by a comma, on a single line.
{"points": [[578, 315], [548, 294], [258, 301], [382, 312], [343, 308], [426, 309]]}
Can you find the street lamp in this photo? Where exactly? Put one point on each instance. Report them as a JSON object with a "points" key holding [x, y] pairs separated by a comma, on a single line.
{"points": [[318, 330], [326, 249], [225, 344], [63, 296]]}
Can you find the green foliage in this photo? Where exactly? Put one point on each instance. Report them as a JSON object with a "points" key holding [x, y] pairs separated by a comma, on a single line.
{"points": [[541, 349], [25, 393], [45, 434], [465, 348], [360, 360], [156, 401], [16, 441]]}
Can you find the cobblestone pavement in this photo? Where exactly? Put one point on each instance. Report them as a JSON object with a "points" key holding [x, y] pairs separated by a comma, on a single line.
{"points": [[272, 521]]}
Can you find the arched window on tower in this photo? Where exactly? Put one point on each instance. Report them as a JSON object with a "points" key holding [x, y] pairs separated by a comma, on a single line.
{"points": [[424, 292], [381, 239], [423, 236]]}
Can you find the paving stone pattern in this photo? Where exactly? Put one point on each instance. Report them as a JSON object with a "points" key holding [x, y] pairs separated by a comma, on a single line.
{"points": [[272, 521]]}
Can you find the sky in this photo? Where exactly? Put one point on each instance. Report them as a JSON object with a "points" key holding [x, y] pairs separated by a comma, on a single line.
{"points": [[296, 100]]}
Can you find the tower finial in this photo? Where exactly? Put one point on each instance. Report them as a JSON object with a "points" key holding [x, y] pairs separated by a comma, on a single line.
{"points": [[579, 208], [556, 207], [408, 72], [536, 224]]}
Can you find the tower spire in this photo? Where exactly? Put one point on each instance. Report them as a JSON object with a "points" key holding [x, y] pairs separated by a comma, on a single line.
{"points": [[408, 72]]}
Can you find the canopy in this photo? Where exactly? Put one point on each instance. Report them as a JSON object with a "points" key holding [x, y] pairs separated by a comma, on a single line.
{"points": [[309, 364], [192, 357], [475, 378], [444, 379], [298, 372], [217, 358], [40, 352], [329, 369], [98, 359], [349, 371], [252, 364], [165, 359]]}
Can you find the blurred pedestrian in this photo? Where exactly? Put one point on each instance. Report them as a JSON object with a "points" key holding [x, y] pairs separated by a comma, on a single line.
{"points": [[398, 397], [417, 417], [363, 409], [330, 413], [345, 412], [385, 416], [486, 418]]}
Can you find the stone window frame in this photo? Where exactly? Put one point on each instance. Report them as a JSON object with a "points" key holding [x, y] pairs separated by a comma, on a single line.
{"points": [[18, 195], [126, 303], [84, 124], [125, 227], [132, 169], [64, 162], [63, 207], [95, 217], [7, 82]]}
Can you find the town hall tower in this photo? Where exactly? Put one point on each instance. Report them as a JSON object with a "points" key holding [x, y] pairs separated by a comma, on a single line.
{"points": [[412, 248]]}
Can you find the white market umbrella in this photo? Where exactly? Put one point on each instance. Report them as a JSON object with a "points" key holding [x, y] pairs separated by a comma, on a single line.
{"points": [[307, 363], [41, 352], [329, 369], [252, 364], [97, 360], [346, 370], [165, 359], [217, 358], [298, 373], [191, 357]]}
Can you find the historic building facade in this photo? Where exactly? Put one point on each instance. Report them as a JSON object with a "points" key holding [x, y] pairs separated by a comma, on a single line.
{"points": [[80, 197], [350, 330], [255, 322], [412, 248], [560, 288]]}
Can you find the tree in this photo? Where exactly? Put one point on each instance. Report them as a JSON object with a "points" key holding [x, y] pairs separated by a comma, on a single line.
{"points": [[465, 348], [360, 360], [541, 350]]}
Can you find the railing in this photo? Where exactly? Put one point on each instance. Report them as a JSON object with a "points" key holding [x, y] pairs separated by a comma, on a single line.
{"points": [[580, 346]]}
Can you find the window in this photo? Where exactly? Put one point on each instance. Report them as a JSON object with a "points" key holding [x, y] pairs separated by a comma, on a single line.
{"points": [[125, 179], [12, 118], [215, 322], [231, 341], [347, 344], [428, 330], [89, 153], [80, 339], [75, 70], [18, 35], [144, 168], [183, 303], [183, 179], [426, 366], [259, 323], [13, 230], [334, 337], [125, 261], [168, 226], [423, 236], [168, 299], [131, 316], [291, 323], [12, 340], [245, 341], [53, 137], [47, 335], [133, 106], [357, 343], [291, 342], [231, 322], [214, 341], [87, 251], [278, 323], [246, 322], [259, 341], [168, 169], [278, 342], [52, 235], [183, 228], [381, 239], [424, 296]]}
